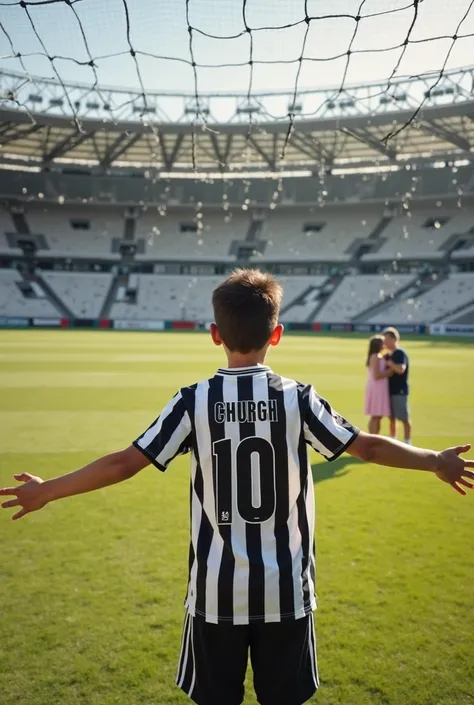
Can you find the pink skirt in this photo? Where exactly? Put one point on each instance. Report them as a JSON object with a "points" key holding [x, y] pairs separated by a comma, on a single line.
{"points": [[377, 397]]}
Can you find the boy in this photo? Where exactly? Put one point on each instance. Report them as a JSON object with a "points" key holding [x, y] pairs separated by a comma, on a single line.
{"points": [[251, 563], [398, 364]]}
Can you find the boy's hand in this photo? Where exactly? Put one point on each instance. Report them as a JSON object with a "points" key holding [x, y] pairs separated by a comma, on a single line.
{"points": [[452, 469], [105, 471], [28, 496]]}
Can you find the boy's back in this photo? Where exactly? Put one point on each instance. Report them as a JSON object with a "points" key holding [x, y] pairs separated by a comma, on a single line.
{"points": [[252, 505]]}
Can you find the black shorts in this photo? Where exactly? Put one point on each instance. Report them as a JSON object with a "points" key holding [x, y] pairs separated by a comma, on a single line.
{"points": [[214, 657]]}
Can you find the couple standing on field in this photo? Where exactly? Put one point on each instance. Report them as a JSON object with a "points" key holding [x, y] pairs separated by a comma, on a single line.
{"points": [[386, 394]]}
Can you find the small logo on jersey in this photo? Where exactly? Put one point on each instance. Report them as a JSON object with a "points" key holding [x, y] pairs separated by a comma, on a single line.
{"points": [[246, 411], [225, 516]]}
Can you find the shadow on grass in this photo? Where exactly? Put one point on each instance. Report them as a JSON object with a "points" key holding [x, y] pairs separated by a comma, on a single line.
{"points": [[332, 471]]}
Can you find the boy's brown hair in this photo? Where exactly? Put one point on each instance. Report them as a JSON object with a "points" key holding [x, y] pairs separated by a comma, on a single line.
{"points": [[246, 307], [392, 332]]}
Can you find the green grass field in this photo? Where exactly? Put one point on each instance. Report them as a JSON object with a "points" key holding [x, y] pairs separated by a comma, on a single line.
{"points": [[91, 588]]}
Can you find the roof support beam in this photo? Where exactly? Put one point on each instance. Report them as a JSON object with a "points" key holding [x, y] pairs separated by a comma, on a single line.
{"points": [[5, 127], [313, 143], [271, 162], [109, 154], [275, 145], [310, 147], [442, 133], [368, 139], [228, 147], [73, 140], [121, 144], [46, 135], [207, 149], [19, 134], [222, 156], [96, 148], [169, 157]]}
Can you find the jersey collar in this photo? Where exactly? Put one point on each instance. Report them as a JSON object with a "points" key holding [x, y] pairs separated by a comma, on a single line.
{"points": [[238, 371]]}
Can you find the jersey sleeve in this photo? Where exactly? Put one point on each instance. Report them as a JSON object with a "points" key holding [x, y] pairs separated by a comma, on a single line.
{"points": [[168, 436], [329, 433]]}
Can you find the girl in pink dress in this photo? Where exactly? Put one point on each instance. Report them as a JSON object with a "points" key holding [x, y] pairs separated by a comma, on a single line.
{"points": [[377, 396]]}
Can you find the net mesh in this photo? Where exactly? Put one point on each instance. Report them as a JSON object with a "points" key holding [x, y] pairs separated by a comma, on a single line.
{"points": [[245, 48], [35, 36]]}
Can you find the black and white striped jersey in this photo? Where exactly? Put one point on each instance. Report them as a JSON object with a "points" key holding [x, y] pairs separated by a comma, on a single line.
{"points": [[252, 505]]}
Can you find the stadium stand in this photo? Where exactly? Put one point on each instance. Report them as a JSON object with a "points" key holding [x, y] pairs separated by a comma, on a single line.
{"points": [[357, 293], [319, 235], [341, 189], [189, 297], [177, 235], [292, 236], [464, 318], [78, 232], [464, 253], [301, 297], [4, 246], [6, 226], [437, 304], [158, 297], [357, 231], [421, 234], [15, 302], [5, 220], [82, 292]]}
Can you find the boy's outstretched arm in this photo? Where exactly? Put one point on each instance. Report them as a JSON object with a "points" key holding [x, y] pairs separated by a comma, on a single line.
{"points": [[447, 465], [35, 493]]}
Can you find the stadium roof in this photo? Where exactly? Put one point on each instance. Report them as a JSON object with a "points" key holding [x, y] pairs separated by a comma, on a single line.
{"points": [[411, 120]]}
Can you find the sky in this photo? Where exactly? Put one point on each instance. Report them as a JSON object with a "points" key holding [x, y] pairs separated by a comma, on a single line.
{"points": [[159, 27], [157, 30]]}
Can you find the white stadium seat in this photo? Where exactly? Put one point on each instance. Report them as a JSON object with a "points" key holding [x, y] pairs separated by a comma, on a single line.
{"points": [[434, 304], [288, 234], [54, 222], [169, 297], [300, 297], [189, 298], [6, 225], [286, 239], [164, 239], [357, 293], [82, 292], [14, 303], [406, 236]]}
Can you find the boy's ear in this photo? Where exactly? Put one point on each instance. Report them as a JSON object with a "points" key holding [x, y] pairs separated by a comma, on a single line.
{"points": [[216, 338], [276, 335]]}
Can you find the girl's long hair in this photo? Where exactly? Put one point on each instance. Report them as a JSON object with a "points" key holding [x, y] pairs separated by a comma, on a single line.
{"points": [[375, 346]]}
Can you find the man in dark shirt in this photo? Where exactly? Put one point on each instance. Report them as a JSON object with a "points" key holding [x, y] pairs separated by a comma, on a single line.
{"points": [[398, 383]]}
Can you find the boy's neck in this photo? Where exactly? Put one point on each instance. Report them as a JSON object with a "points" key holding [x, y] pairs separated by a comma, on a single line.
{"points": [[235, 359]]}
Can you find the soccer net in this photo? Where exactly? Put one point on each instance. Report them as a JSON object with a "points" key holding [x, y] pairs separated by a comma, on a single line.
{"points": [[249, 48]]}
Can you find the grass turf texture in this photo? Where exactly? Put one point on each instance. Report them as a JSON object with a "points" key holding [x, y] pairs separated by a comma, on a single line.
{"points": [[91, 587]]}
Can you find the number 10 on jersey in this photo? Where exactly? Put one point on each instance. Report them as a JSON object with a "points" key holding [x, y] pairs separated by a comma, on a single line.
{"points": [[255, 486]]}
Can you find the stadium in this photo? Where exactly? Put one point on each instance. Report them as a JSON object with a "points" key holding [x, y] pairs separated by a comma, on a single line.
{"points": [[132, 182], [367, 234]]}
